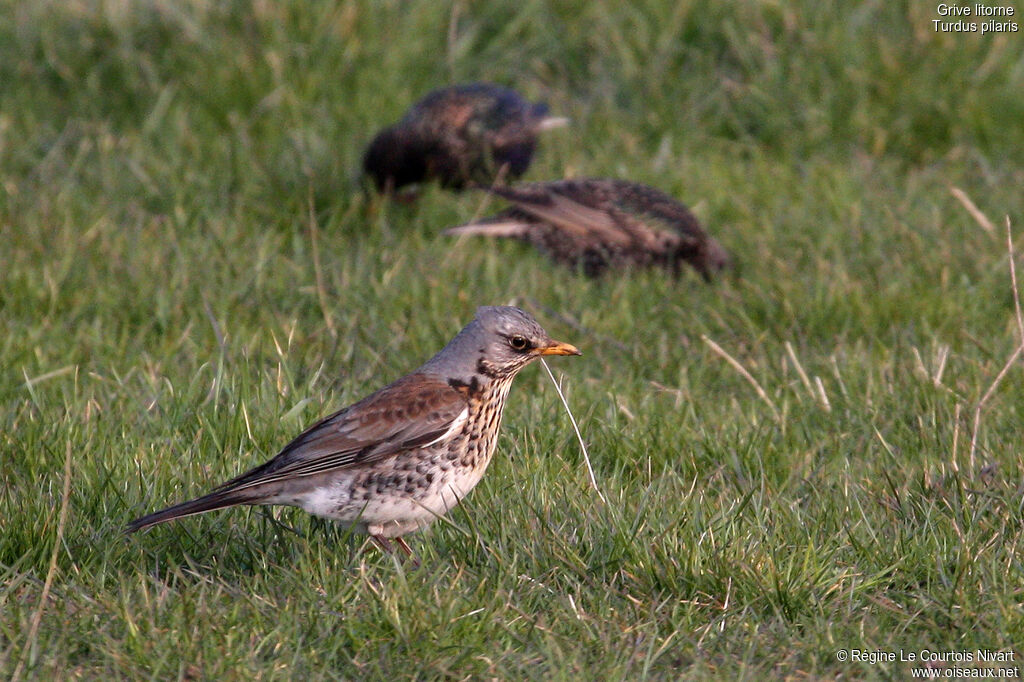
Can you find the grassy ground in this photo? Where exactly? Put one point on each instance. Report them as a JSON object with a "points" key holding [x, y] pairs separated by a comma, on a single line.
{"points": [[190, 276]]}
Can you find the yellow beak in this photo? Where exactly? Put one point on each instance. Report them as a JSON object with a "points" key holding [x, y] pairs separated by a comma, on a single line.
{"points": [[559, 348]]}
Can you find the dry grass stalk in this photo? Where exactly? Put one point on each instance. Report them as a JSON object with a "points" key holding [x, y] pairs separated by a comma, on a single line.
{"points": [[579, 436], [1013, 357], [744, 373]]}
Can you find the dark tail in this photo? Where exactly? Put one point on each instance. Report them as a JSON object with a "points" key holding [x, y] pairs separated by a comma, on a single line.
{"points": [[218, 499]]}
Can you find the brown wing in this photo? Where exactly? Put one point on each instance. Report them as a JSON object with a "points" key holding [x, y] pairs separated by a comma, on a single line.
{"points": [[639, 232], [413, 411], [566, 213]]}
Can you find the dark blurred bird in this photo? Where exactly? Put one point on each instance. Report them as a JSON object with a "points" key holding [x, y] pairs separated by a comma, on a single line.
{"points": [[464, 134], [599, 224], [395, 461]]}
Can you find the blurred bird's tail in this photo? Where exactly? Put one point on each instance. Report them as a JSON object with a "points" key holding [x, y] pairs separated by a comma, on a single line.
{"points": [[549, 122], [542, 120], [507, 229], [219, 499]]}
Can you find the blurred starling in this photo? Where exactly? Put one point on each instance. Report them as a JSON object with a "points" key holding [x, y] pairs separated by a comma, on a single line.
{"points": [[597, 224], [464, 134]]}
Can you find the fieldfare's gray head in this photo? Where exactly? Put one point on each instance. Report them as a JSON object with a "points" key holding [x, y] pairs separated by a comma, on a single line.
{"points": [[499, 342]]}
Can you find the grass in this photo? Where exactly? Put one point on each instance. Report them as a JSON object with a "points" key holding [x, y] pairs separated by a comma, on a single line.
{"points": [[191, 275]]}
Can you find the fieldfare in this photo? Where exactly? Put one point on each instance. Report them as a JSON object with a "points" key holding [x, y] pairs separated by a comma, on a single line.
{"points": [[600, 224], [398, 459], [459, 135]]}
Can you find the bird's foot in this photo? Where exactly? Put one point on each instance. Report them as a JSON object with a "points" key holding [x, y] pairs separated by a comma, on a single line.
{"points": [[389, 548]]}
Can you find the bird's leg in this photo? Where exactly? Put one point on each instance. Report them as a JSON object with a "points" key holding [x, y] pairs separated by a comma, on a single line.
{"points": [[404, 546], [388, 548], [383, 543], [499, 176]]}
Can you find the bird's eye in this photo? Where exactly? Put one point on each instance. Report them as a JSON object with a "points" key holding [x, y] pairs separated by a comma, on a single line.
{"points": [[518, 342]]}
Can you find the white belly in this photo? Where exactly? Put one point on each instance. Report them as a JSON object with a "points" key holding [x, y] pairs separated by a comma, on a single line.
{"points": [[390, 514]]}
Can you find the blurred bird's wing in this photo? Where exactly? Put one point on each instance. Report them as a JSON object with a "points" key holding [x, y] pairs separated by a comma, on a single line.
{"points": [[640, 231], [658, 211], [414, 411], [565, 213]]}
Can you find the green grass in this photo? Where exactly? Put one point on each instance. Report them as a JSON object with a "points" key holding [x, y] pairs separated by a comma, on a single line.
{"points": [[171, 172]]}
